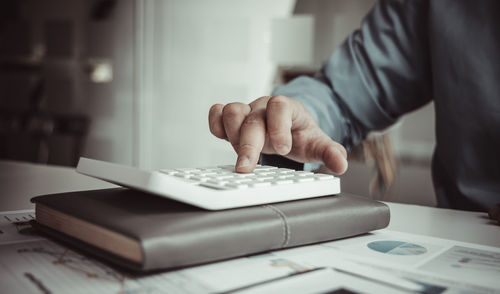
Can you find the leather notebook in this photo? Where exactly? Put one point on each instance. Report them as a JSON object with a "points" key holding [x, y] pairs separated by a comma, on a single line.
{"points": [[143, 232]]}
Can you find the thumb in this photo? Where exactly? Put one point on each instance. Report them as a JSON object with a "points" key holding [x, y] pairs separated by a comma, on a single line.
{"points": [[332, 154]]}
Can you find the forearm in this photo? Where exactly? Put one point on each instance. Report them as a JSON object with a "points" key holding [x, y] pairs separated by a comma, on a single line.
{"points": [[379, 73]]}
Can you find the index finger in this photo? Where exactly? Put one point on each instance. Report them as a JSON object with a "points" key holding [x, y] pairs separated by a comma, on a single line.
{"points": [[252, 139]]}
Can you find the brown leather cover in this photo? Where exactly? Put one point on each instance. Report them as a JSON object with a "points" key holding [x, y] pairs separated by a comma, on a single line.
{"points": [[173, 234]]}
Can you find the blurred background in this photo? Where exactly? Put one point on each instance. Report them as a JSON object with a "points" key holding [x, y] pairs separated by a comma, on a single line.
{"points": [[131, 82]]}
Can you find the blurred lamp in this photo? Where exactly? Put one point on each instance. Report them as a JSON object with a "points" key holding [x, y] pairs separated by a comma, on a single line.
{"points": [[100, 70]]}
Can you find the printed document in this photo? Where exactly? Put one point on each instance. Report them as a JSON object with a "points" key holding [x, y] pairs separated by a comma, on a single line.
{"points": [[380, 262]]}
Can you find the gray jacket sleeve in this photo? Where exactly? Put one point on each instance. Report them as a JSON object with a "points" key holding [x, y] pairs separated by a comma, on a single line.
{"points": [[380, 72]]}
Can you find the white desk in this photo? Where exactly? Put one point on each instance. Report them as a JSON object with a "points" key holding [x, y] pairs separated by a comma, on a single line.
{"points": [[21, 181], [466, 226], [40, 267]]}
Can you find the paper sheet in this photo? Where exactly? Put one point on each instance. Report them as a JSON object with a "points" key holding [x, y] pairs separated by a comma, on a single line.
{"points": [[430, 262], [383, 261], [15, 227]]}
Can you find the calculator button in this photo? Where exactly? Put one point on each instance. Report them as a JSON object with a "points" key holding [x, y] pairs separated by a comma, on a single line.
{"points": [[301, 179], [323, 177], [262, 168], [240, 181], [237, 185], [227, 167], [263, 179], [222, 177], [214, 186], [170, 172], [186, 170], [282, 182], [303, 173], [199, 178]]}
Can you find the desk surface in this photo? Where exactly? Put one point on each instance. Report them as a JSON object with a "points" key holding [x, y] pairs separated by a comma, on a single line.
{"points": [[21, 181]]}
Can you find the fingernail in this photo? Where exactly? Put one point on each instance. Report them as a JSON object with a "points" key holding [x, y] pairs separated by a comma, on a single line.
{"points": [[282, 149], [344, 159], [243, 161], [342, 156]]}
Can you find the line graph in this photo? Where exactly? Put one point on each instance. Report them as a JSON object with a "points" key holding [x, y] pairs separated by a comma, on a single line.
{"points": [[43, 266], [39, 284], [72, 261], [51, 268], [76, 262], [15, 227]]}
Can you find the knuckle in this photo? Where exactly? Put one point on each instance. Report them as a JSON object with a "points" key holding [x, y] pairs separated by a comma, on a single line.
{"points": [[214, 116], [215, 107], [254, 118], [259, 102], [278, 101], [232, 110]]}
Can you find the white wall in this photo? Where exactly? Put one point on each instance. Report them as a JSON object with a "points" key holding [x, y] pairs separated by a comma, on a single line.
{"points": [[205, 52], [335, 19], [111, 105]]}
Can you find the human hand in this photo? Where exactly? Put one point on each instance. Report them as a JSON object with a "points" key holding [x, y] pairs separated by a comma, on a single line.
{"points": [[274, 125]]}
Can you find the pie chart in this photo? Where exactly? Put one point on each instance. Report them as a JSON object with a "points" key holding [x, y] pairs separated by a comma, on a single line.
{"points": [[396, 247]]}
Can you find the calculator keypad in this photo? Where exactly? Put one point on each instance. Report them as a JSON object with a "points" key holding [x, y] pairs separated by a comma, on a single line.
{"points": [[224, 177]]}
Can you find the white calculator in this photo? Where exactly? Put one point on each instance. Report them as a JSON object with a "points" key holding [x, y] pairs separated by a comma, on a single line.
{"points": [[216, 188]]}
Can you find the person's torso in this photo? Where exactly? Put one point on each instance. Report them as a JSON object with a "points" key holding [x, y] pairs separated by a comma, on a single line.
{"points": [[465, 57]]}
